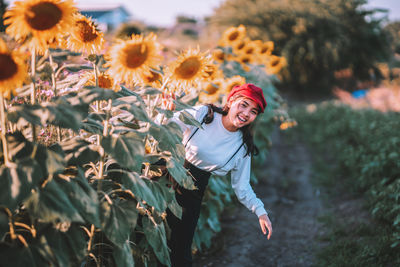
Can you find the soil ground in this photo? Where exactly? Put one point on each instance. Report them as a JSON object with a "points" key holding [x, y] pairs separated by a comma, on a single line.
{"points": [[293, 205]]}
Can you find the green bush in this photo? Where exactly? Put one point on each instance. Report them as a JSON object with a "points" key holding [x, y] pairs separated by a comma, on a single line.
{"points": [[365, 145]]}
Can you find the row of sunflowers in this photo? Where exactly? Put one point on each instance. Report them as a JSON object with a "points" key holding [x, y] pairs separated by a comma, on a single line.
{"points": [[79, 136]]}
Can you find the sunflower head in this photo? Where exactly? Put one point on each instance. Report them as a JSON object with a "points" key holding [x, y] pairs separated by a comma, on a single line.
{"points": [[129, 59], [232, 82], [13, 70], [189, 68], [266, 48], [275, 64], [85, 37], [239, 46], [210, 92], [152, 78], [212, 72], [218, 55], [44, 20], [105, 81], [232, 35]]}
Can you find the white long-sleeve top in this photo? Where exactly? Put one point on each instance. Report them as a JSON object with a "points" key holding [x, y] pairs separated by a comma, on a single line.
{"points": [[210, 149]]}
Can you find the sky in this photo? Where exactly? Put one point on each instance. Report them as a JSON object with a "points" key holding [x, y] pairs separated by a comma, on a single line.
{"points": [[163, 12]]}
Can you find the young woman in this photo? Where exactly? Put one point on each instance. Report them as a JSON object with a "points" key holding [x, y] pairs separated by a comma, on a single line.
{"points": [[223, 144]]}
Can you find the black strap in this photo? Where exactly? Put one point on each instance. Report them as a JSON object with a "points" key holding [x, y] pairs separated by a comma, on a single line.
{"points": [[234, 154], [195, 131]]}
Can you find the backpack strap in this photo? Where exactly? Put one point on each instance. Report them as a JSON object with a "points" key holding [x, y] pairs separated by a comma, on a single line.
{"points": [[234, 154], [195, 131]]}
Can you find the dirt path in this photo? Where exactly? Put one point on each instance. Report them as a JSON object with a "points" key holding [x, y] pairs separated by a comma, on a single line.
{"points": [[293, 206]]}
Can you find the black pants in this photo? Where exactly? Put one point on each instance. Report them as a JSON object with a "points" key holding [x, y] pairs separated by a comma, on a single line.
{"points": [[182, 231]]}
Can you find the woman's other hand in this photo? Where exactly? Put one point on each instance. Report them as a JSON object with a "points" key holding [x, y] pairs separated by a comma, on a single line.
{"points": [[265, 224]]}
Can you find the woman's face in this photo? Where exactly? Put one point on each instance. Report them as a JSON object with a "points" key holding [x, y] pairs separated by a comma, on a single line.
{"points": [[242, 112]]}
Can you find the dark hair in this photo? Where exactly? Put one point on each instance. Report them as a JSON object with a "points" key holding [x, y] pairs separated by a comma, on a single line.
{"points": [[247, 131]]}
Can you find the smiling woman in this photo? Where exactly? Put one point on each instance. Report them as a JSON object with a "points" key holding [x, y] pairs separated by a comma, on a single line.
{"points": [[223, 144]]}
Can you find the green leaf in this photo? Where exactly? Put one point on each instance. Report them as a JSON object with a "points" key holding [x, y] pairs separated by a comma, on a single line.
{"points": [[155, 235], [180, 174], [80, 152], [126, 149], [114, 223], [140, 189], [133, 104], [20, 256], [68, 248], [83, 197], [169, 138], [17, 181], [46, 113], [4, 227], [131, 212], [161, 193], [123, 255], [188, 118], [50, 203], [55, 160], [175, 208]]}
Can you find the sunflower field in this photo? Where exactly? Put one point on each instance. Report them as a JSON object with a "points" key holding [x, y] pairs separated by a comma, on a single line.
{"points": [[83, 121]]}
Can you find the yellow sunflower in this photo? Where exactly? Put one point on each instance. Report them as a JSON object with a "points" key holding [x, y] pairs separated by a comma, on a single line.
{"points": [[245, 60], [212, 72], [129, 59], [250, 48], [232, 35], [266, 48], [240, 45], [211, 92], [188, 69], [232, 82], [84, 36], [152, 78], [105, 81], [43, 20], [13, 70], [275, 64], [219, 55]]}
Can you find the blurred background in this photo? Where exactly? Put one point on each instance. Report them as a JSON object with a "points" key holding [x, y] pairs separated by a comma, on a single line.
{"points": [[349, 44]]}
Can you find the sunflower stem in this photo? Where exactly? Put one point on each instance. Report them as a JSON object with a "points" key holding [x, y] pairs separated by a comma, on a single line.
{"points": [[33, 87], [54, 85], [96, 80], [105, 134], [3, 130], [53, 73]]}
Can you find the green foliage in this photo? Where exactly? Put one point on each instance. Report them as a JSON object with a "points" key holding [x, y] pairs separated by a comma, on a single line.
{"points": [[364, 144], [316, 37]]}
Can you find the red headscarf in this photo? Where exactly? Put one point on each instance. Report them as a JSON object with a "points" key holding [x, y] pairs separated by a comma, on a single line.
{"points": [[250, 91]]}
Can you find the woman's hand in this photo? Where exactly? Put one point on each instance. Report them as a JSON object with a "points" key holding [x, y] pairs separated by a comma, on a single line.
{"points": [[265, 224]]}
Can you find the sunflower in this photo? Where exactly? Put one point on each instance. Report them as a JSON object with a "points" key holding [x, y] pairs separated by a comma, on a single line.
{"points": [[44, 20], [211, 92], [212, 72], [152, 78], [85, 37], [219, 55], [232, 35], [239, 46], [266, 48], [105, 81], [232, 82], [188, 69], [13, 70], [244, 60], [250, 48], [129, 59], [275, 64]]}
